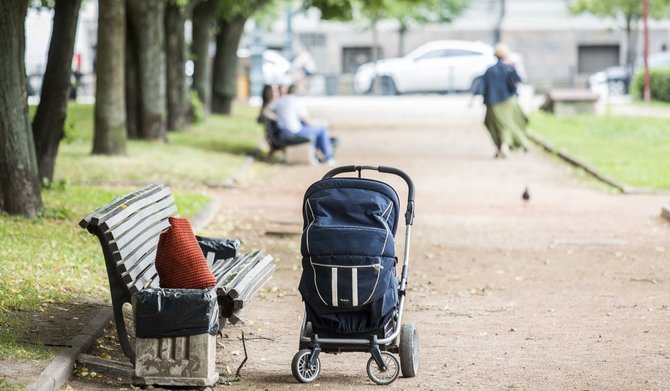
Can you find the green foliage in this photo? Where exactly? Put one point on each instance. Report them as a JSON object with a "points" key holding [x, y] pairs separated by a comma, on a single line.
{"points": [[659, 82], [633, 150], [623, 9], [228, 10], [405, 11], [197, 109]]}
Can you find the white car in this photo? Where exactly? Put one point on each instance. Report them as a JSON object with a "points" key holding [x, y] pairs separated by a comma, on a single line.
{"points": [[438, 66], [276, 68]]}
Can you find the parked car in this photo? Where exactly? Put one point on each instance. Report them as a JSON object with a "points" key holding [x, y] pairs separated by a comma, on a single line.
{"points": [[276, 68], [437, 66], [616, 80]]}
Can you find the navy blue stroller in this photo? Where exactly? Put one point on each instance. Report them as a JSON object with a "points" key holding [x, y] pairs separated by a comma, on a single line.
{"points": [[353, 298]]}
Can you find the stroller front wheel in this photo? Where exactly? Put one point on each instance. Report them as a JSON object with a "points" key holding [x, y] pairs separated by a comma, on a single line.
{"points": [[384, 377], [302, 370]]}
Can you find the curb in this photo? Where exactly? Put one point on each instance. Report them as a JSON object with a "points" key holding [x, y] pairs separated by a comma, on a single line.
{"points": [[60, 369], [625, 189]]}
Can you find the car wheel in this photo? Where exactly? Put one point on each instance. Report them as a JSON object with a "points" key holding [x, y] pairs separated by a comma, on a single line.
{"points": [[384, 85], [616, 87]]}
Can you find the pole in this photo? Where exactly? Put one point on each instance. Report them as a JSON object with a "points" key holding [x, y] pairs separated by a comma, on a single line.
{"points": [[501, 16], [647, 77]]}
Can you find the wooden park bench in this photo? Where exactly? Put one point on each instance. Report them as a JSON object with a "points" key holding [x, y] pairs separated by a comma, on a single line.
{"points": [[129, 228], [571, 101], [296, 150]]}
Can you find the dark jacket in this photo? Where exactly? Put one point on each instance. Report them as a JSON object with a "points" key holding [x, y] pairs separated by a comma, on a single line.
{"points": [[498, 83]]}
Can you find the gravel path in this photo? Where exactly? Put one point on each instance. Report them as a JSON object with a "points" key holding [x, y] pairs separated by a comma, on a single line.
{"points": [[570, 290]]}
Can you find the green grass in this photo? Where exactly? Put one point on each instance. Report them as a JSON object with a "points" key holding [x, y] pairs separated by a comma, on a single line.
{"points": [[632, 150], [211, 151], [51, 259]]}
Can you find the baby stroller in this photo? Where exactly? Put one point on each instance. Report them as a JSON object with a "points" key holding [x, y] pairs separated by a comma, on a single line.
{"points": [[353, 299]]}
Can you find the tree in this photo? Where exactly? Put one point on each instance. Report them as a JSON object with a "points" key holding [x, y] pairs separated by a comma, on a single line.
{"points": [[50, 115], [204, 21], [408, 13], [176, 14], [627, 12], [19, 180], [110, 111], [232, 15], [147, 20]]}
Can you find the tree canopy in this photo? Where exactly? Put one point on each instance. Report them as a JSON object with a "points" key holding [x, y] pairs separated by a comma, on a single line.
{"points": [[620, 9]]}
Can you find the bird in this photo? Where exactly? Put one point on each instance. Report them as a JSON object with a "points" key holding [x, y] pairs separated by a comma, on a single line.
{"points": [[526, 194]]}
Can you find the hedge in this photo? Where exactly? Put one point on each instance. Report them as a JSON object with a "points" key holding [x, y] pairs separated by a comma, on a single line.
{"points": [[660, 84]]}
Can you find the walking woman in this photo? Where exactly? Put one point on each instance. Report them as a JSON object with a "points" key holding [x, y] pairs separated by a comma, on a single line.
{"points": [[505, 120]]}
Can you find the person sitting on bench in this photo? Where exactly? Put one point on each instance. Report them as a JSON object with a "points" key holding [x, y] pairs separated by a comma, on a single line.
{"points": [[291, 115]]}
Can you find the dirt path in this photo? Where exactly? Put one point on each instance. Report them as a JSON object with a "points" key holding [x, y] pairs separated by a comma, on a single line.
{"points": [[570, 290]]}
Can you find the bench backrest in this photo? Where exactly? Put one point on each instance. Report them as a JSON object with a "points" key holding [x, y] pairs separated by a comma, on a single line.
{"points": [[128, 229]]}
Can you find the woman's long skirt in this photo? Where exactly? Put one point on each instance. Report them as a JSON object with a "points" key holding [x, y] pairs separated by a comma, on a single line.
{"points": [[506, 122]]}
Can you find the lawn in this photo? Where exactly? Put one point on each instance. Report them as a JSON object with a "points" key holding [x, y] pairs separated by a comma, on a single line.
{"points": [[50, 259], [633, 150]]}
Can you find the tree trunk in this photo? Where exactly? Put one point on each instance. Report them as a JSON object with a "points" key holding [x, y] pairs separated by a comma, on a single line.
{"points": [[132, 82], [175, 53], [19, 180], [224, 73], [146, 17], [110, 111], [52, 110], [204, 17], [632, 27]]}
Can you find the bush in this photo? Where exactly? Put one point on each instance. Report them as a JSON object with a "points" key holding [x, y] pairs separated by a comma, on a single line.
{"points": [[659, 81]]}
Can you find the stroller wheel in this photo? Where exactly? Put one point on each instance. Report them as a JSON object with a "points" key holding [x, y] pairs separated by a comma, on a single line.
{"points": [[409, 350], [384, 377], [302, 371]]}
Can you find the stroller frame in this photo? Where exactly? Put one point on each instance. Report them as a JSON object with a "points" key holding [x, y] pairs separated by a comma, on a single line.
{"points": [[306, 365]]}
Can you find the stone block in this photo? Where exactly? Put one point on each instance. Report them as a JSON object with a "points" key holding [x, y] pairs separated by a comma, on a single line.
{"points": [[176, 361], [300, 154]]}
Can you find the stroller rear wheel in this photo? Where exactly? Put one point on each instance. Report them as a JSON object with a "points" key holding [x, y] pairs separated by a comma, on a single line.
{"points": [[302, 371], [384, 377], [409, 350]]}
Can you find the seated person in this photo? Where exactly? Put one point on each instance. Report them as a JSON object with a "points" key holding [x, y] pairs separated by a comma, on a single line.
{"points": [[291, 115]]}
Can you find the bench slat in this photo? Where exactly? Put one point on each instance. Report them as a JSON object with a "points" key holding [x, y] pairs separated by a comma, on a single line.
{"points": [[106, 210], [140, 244], [145, 213], [120, 213], [248, 280], [129, 236], [131, 274]]}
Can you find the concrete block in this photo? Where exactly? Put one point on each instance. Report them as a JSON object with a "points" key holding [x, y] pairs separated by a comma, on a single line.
{"points": [[300, 154], [176, 361]]}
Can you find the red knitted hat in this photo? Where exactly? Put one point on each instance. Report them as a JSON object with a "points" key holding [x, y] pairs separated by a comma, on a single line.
{"points": [[179, 260]]}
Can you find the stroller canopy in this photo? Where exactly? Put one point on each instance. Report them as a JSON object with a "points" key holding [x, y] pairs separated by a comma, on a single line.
{"points": [[347, 216]]}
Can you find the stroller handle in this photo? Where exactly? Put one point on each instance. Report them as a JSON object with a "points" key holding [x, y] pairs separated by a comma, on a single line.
{"points": [[409, 214]]}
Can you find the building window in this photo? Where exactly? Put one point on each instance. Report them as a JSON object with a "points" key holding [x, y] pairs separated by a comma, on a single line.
{"points": [[353, 57], [594, 58]]}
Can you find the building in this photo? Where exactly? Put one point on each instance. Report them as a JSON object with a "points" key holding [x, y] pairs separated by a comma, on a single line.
{"points": [[559, 49]]}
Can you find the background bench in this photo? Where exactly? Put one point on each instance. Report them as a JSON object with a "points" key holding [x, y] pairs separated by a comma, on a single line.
{"points": [[129, 228], [296, 150], [571, 101]]}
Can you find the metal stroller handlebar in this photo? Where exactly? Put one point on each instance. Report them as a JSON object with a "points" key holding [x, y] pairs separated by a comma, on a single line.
{"points": [[409, 214]]}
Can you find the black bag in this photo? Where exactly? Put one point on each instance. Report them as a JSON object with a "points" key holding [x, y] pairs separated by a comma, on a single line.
{"points": [[220, 248], [164, 312]]}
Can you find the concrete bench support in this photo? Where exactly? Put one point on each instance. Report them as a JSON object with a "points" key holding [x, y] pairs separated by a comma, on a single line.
{"points": [[178, 361], [571, 101], [300, 154]]}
